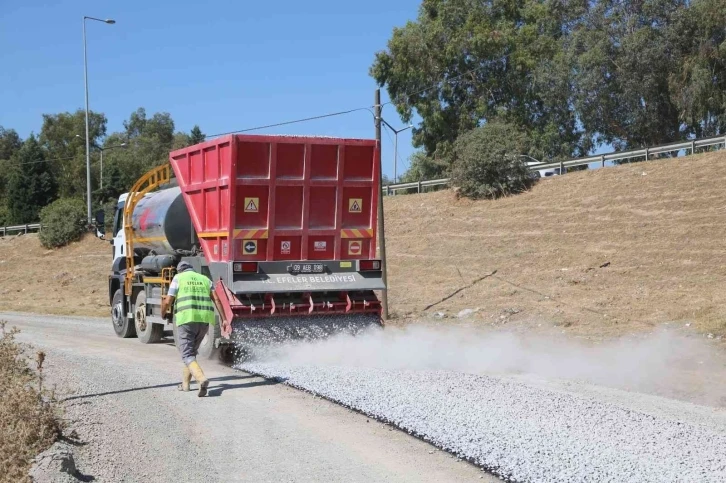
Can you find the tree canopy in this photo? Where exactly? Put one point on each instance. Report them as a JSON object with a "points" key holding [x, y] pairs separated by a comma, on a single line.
{"points": [[572, 75], [31, 184], [36, 172]]}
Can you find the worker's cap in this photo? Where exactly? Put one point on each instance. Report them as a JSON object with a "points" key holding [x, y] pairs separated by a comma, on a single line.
{"points": [[183, 266]]}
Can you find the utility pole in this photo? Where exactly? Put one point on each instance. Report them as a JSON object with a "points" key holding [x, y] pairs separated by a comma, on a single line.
{"points": [[381, 222]]}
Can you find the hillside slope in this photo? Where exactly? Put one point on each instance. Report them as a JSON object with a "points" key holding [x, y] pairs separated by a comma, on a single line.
{"points": [[658, 230], [69, 281]]}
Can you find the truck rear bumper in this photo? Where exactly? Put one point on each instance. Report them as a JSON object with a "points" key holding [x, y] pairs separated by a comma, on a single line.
{"points": [[297, 277]]}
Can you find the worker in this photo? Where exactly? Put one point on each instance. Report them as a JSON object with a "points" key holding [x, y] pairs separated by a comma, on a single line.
{"points": [[193, 314]]}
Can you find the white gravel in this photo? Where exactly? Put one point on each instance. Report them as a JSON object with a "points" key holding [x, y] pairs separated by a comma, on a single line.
{"points": [[522, 432]]}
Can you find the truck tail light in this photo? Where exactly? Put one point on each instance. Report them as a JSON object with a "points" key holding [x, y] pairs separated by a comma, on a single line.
{"points": [[245, 267], [369, 265]]}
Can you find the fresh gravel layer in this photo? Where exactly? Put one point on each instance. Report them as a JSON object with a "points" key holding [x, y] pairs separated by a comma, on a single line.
{"points": [[258, 334], [518, 431]]}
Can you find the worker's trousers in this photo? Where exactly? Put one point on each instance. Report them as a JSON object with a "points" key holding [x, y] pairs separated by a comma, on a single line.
{"points": [[189, 338]]}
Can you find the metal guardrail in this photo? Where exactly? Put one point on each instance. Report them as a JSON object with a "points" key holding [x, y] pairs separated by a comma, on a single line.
{"points": [[419, 185], [692, 146], [5, 230]]}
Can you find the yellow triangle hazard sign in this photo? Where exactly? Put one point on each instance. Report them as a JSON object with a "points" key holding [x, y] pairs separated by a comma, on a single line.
{"points": [[354, 205], [251, 205]]}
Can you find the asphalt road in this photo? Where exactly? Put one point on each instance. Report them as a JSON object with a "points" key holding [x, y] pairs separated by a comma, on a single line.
{"points": [[133, 425]]}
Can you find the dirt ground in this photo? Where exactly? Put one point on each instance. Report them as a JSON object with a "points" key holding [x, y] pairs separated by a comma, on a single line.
{"points": [[596, 253]]}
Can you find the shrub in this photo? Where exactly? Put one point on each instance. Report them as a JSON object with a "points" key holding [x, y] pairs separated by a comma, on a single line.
{"points": [[29, 421], [63, 221], [4, 213], [486, 162]]}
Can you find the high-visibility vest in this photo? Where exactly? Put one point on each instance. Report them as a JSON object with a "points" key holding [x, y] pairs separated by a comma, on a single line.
{"points": [[193, 302]]}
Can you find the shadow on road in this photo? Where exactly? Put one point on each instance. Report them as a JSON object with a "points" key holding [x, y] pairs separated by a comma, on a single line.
{"points": [[214, 391]]}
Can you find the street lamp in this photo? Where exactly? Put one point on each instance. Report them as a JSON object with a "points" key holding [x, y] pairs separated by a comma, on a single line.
{"points": [[395, 147], [102, 149], [88, 147]]}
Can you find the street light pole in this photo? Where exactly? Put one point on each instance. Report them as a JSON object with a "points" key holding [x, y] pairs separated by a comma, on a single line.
{"points": [[395, 148], [88, 140], [395, 158], [122, 145]]}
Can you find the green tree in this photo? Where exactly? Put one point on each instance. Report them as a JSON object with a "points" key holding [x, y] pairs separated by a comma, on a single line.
{"points": [[196, 135], [10, 143], [487, 162], [63, 138], [31, 184], [422, 168], [623, 59], [182, 139], [148, 140], [465, 62], [698, 84], [64, 221]]}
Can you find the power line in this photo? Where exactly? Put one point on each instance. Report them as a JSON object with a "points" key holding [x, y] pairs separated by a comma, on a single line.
{"points": [[42, 161], [135, 142], [285, 123]]}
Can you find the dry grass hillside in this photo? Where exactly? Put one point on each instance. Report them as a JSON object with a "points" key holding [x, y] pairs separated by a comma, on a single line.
{"points": [[69, 281], [597, 252]]}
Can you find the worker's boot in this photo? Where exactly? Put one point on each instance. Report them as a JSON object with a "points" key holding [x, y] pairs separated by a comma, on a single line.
{"points": [[186, 380], [200, 377]]}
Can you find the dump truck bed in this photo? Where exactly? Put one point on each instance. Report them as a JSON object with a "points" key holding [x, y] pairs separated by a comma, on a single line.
{"points": [[280, 198], [286, 225]]}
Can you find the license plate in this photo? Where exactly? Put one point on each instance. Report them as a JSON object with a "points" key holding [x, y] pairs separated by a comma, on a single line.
{"points": [[306, 268]]}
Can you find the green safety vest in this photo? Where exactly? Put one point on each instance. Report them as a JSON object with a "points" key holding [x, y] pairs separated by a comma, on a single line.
{"points": [[193, 302]]}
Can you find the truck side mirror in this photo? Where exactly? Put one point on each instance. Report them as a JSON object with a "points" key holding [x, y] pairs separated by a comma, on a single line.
{"points": [[100, 220]]}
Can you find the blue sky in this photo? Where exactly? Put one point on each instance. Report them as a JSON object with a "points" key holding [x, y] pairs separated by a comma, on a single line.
{"points": [[224, 65]]}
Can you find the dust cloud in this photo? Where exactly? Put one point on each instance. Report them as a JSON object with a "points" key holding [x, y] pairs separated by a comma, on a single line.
{"points": [[663, 363]]}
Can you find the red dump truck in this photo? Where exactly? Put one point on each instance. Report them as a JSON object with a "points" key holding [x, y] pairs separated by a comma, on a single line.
{"points": [[284, 225]]}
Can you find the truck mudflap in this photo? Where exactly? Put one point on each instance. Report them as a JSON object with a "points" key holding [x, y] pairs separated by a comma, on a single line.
{"points": [[234, 309]]}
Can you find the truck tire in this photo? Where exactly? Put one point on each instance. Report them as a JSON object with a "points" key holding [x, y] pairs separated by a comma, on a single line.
{"points": [[148, 333], [207, 349], [123, 327]]}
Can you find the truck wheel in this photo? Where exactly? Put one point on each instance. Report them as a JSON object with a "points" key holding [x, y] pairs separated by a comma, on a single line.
{"points": [[121, 325], [207, 349], [148, 333]]}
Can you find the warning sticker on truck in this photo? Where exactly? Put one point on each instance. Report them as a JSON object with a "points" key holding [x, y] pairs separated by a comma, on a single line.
{"points": [[252, 205], [354, 248], [250, 247], [285, 247], [320, 246], [355, 205]]}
